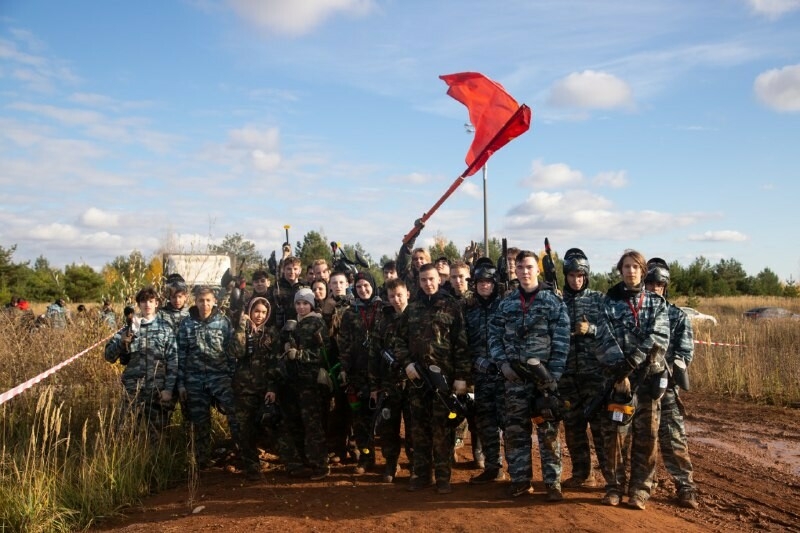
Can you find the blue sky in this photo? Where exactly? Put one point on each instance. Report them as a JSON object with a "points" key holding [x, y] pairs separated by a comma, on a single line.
{"points": [[668, 126]]}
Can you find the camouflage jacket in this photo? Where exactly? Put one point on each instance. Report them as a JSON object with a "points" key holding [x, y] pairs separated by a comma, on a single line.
{"points": [[255, 352], [152, 358], [281, 299], [332, 311], [309, 338], [479, 313], [638, 320], [582, 358], [681, 336], [357, 334], [432, 332], [173, 316], [381, 375], [57, 315], [203, 348], [536, 327]]}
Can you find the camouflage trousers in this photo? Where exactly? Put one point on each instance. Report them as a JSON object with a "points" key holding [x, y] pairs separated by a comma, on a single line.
{"points": [[519, 399], [147, 408], [434, 437], [640, 439], [389, 430], [362, 422], [199, 398], [248, 402], [489, 414], [579, 391], [303, 439], [337, 419], [673, 443]]}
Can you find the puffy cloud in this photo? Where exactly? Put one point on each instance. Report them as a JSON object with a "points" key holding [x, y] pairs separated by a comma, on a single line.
{"points": [[779, 88], [552, 176], [581, 214], [719, 236], [614, 179], [592, 90], [774, 8], [97, 218], [295, 18]]}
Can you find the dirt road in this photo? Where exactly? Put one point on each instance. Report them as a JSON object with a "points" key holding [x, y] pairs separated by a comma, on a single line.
{"points": [[746, 459]]}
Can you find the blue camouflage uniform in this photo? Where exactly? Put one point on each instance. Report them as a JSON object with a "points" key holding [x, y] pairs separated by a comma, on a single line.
{"points": [[672, 430], [205, 373], [582, 381], [151, 366], [526, 326], [489, 383], [638, 321]]}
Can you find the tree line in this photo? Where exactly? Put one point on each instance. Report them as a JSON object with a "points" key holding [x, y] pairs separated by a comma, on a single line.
{"points": [[119, 279]]}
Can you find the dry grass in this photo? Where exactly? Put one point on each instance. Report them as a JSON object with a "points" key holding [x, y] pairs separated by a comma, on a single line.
{"points": [[765, 369]]}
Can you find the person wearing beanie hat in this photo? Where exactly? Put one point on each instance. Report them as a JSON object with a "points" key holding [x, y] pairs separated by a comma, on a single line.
{"points": [[305, 294], [357, 334], [304, 344]]}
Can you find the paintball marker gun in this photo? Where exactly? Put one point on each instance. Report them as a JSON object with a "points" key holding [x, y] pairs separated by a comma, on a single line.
{"points": [[548, 405], [131, 328], [434, 381], [549, 265], [380, 413]]}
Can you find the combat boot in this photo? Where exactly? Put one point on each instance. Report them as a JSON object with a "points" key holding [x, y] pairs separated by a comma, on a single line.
{"points": [[390, 471], [443, 486], [688, 498], [554, 492], [487, 476], [418, 483], [637, 501], [611, 498], [517, 489]]}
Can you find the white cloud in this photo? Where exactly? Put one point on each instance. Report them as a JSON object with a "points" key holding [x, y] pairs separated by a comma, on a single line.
{"points": [[779, 88], [556, 175], [471, 189], [591, 89], [614, 179], [774, 8], [97, 218], [296, 17], [719, 236], [54, 231], [582, 215], [414, 178]]}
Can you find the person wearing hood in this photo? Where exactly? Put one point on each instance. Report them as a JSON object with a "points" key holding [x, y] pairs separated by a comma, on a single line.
{"points": [[531, 324], [357, 334], [252, 345], [432, 333], [302, 349], [205, 370], [489, 382], [583, 378], [148, 350], [640, 327]]}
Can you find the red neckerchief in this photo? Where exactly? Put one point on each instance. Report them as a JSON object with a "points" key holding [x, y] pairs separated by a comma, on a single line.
{"points": [[635, 310], [368, 321]]}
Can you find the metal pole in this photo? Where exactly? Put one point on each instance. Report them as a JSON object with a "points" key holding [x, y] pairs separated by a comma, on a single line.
{"points": [[485, 215]]}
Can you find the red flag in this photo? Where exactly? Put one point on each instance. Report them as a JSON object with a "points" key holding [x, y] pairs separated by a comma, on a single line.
{"points": [[496, 116]]}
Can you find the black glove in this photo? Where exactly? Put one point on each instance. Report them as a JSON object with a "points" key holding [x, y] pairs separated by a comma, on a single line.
{"points": [[418, 225], [622, 368]]}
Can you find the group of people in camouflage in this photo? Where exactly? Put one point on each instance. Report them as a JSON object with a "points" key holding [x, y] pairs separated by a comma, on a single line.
{"points": [[324, 365]]}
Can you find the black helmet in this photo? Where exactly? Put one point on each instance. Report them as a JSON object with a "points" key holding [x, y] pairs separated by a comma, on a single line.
{"points": [[484, 272], [576, 261], [657, 271]]}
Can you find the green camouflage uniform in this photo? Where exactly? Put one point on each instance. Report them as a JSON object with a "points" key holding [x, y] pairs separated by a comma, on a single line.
{"points": [[432, 332], [300, 395]]}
